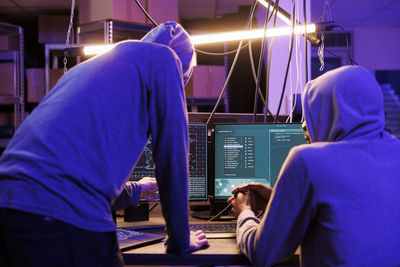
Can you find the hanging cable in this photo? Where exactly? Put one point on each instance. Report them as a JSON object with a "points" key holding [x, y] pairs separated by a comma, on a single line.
{"points": [[260, 62], [287, 66], [347, 45], [298, 84], [67, 41], [197, 50], [146, 14], [305, 41], [252, 9], [333, 54], [268, 70], [252, 65]]}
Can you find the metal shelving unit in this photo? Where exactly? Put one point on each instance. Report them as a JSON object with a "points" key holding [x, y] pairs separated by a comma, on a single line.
{"points": [[110, 31], [16, 56]]}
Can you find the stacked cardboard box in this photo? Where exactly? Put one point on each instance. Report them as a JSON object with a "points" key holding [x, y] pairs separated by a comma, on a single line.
{"points": [[127, 10], [206, 81]]}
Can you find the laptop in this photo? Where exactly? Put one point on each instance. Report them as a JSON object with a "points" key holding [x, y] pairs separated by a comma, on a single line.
{"points": [[130, 239]]}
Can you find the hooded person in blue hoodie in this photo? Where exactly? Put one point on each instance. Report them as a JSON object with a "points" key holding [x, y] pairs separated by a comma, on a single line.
{"points": [[336, 197], [70, 159]]}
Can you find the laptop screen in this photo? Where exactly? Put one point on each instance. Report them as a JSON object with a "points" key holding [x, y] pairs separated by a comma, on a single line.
{"points": [[245, 153], [197, 162]]}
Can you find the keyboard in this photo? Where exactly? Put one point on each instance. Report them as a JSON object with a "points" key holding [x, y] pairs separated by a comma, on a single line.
{"points": [[216, 230], [129, 239]]}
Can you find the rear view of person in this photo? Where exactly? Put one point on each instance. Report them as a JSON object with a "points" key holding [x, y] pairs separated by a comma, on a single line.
{"points": [[71, 157], [338, 196]]}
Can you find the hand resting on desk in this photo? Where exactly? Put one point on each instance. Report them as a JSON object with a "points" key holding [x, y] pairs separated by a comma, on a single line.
{"points": [[198, 240]]}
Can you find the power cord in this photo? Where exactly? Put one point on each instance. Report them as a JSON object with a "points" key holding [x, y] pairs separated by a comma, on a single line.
{"points": [[155, 205], [219, 213]]}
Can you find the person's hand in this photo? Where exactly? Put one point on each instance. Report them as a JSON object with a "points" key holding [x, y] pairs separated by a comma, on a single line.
{"points": [[241, 201], [262, 194], [198, 240], [149, 189]]}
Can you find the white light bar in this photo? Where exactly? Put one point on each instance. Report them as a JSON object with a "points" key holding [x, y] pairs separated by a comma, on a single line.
{"points": [[249, 34], [220, 37], [97, 49], [279, 14]]}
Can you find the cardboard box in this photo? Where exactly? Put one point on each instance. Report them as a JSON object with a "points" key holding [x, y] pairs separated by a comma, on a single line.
{"points": [[123, 10], [36, 83], [9, 42], [6, 118], [53, 29], [163, 10], [206, 81], [7, 82]]}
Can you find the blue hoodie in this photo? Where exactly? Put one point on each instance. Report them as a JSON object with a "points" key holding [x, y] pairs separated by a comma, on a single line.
{"points": [[71, 157], [338, 196]]}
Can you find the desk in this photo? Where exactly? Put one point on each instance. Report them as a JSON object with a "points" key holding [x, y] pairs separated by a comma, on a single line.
{"points": [[222, 251]]}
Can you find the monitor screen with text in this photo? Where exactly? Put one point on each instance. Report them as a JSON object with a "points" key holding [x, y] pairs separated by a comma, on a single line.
{"points": [[245, 153]]}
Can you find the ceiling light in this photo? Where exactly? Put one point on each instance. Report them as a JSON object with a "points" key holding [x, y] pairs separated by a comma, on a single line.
{"points": [[280, 15], [222, 37], [249, 34]]}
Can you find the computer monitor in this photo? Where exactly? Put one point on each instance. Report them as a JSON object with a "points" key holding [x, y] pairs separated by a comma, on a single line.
{"points": [[245, 153], [197, 163]]}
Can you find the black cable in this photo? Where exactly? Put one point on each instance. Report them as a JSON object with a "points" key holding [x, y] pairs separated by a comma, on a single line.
{"points": [[253, 7], [288, 63], [347, 45], [333, 54], [260, 61], [305, 41], [220, 53], [263, 100], [197, 50], [146, 14], [155, 205], [219, 213], [268, 70]]}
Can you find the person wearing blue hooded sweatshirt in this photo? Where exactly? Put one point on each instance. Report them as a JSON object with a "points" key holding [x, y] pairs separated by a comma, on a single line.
{"points": [[70, 159], [336, 197]]}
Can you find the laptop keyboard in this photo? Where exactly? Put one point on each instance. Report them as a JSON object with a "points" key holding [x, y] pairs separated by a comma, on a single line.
{"points": [[123, 234], [214, 227]]}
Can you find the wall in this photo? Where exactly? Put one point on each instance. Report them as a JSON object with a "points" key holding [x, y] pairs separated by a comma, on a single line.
{"points": [[377, 48]]}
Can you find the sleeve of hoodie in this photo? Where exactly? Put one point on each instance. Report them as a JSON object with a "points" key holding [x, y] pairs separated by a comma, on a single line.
{"points": [[286, 219], [129, 197], [169, 130]]}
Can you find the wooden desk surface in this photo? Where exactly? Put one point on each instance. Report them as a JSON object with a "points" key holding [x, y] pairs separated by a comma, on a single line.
{"points": [[222, 251]]}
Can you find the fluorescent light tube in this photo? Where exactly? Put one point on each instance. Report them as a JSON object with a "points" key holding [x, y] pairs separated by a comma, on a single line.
{"points": [[279, 14], [249, 34]]}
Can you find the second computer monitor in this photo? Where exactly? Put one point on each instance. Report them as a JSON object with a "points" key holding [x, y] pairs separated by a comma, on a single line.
{"points": [[197, 162], [247, 153]]}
